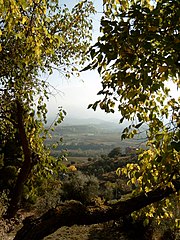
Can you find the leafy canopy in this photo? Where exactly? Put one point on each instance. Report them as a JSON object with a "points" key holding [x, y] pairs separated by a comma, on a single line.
{"points": [[137, 57], [37, 38]]}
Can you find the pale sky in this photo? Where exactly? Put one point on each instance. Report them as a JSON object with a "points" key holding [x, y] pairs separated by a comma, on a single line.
{"points": [[77, 93]]}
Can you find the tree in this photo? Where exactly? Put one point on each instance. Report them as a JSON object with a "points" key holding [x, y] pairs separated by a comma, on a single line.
{"points": [[137, 57], [80, 187], [37, 37], [116, 152], [74, 212], [134, 66], [10, 162]]}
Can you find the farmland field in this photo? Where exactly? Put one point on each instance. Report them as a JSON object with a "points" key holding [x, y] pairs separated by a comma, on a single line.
{"points": [[90, 140]]}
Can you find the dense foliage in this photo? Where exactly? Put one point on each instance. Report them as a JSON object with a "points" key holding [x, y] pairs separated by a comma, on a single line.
{"points": [[116, 152], [138, 59], [80, 187], [37, 37]]}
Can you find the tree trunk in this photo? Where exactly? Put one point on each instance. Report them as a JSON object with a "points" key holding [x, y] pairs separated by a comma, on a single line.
{"points": [[74, 212], [16, 193]]}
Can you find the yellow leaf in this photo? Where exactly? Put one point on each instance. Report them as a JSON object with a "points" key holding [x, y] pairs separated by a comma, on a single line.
{"points": [[37, 51], [133, 180], [166, 215], [24, 20], [177, 222], [146, 189], [72, 168]]}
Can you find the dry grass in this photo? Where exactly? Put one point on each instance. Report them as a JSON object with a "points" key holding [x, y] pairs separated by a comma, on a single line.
{"points": [[93, 232]]}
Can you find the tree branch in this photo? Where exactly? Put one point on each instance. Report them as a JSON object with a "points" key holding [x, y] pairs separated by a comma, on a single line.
{"points": [[74, 212], [26, 167]]}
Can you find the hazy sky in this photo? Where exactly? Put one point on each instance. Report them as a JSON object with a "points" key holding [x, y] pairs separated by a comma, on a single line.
{"points": [[77, 93]]}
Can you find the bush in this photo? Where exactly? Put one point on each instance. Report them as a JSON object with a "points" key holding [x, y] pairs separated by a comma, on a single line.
{"points": [[43, 196], [80, 187], [107, 191], [116, 152]]}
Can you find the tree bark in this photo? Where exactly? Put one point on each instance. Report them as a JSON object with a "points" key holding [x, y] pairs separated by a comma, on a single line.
{"points": [[16, 193], [74, 212]]}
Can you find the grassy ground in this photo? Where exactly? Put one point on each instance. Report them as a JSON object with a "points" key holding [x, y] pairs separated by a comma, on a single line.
{"points": [[93, 232]]}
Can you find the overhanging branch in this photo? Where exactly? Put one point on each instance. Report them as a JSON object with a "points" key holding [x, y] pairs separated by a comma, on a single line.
{"points": [[74, 212]]}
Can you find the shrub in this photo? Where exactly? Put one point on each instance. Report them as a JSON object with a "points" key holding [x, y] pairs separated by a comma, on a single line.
{"points": [[80, 187], [116, 152]]}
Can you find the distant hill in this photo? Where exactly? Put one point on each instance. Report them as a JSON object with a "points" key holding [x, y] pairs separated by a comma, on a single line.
{"points": [[91, 125], [90, 137], [97, 122], [87, 121]]}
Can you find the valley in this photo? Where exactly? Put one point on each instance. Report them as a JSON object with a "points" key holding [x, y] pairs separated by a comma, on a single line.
{"points": [[90, 139]]}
